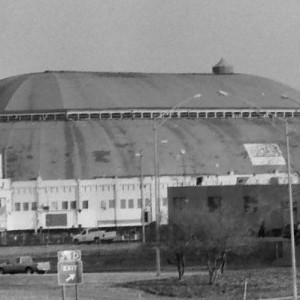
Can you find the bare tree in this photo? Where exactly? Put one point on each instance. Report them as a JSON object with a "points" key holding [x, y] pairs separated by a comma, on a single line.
{"points": [[215, 232]]}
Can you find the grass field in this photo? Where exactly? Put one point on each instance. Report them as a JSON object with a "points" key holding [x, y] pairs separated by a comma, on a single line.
{"points": [[261, 284], [111, 261], [96, 258]]}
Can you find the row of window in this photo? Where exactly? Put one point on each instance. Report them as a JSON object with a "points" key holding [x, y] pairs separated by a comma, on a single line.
{"points": [[129, 203], [105, 204], [75, 116], [214, 202], [25, 206], [69, 116], [69, 189]]}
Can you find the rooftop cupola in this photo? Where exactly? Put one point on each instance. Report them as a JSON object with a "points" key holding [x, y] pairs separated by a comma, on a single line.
{"points": [[222, 67]]}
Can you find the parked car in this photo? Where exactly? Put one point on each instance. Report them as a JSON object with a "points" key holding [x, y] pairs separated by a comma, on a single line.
{"points": [[23, 264], [95, 235]]}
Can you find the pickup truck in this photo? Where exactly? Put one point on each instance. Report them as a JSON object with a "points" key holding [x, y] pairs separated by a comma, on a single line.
{"points": [[95, 235], [23, 264]]}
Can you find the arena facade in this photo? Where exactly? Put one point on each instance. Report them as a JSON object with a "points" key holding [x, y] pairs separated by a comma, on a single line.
{"points": [[73, 138]]}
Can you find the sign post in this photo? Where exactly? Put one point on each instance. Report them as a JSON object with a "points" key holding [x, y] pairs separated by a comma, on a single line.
{"points": [[69, 269]]}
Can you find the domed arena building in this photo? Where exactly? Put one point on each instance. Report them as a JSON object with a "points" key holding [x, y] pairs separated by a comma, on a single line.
{"points": [[86, 129]]}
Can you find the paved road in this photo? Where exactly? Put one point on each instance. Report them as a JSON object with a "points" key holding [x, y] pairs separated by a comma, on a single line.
{"points": [[95, 286]]}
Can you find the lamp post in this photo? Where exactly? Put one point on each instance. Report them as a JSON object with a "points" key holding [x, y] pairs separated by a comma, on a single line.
{"points": [[140, 155], [293, 258], [293, 254], [291, 213], [156, 178]]}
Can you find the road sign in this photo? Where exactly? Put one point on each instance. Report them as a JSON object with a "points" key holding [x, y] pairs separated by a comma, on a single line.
{"points": [[69, 255], [69, 273]]}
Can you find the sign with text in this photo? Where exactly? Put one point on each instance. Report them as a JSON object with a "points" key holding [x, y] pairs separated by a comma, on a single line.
{"points": [[69, 273], [69, 255], [265, 154]]}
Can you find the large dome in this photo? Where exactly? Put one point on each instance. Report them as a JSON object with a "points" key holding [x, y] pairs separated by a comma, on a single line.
{"points": [[83, 90], [99, 148]]}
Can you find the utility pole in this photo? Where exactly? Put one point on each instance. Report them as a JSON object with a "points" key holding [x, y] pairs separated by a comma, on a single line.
{"points": [[293, 254], [157, 176], [157, 204], [140, 154]]}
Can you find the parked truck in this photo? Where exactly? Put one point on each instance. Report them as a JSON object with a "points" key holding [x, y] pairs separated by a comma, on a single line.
{"points": [[95, 235], [23, 264]]}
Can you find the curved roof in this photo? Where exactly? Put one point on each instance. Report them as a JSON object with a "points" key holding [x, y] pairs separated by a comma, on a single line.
{"points": [[98, 148], [90, 90]]}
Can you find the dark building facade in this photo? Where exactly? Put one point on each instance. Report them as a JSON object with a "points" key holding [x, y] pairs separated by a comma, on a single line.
{"points": [[253, 203]]}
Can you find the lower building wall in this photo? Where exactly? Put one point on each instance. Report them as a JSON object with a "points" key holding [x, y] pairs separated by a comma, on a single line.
{"points": [[26, 220], [87, 218], [103, 202], [107, 202]]}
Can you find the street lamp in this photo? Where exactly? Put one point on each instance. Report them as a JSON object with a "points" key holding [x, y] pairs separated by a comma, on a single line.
{"points": [[140, 155], [291, 213], [294, 270], [156, 177], [293, 258]]}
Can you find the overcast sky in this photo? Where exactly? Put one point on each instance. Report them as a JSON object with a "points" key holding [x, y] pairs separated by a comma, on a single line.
{"points": [[259, 37]]}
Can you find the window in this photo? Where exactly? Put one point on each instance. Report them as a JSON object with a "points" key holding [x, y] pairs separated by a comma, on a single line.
{"points": [[139, 203], [111, 204], [103, 204], [65, 205], [165, 201], [214, 203], [148, 202], [180, 202], [123, 203], [33, 206], [54, 205], [73, 205], [130, 203], [17, 206], [146, 216], [85, 204], [25, 206], [286, 206], [250, 204], [2, 202]]}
